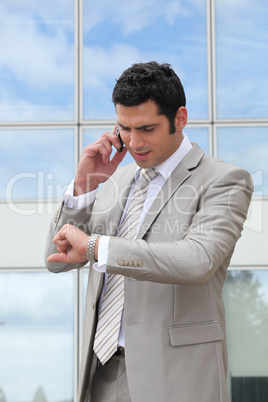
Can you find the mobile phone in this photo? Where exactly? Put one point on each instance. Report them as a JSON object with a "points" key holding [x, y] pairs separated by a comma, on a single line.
{"points": [[121, 141]]}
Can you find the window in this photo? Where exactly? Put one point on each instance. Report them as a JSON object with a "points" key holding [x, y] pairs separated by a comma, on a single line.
{"points": [[59, 62], [246, 302], [37, 68], [37, 335]]}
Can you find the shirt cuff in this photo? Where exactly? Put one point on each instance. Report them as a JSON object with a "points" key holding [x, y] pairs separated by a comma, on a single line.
{"points": [[100, 265], [81, 201]]}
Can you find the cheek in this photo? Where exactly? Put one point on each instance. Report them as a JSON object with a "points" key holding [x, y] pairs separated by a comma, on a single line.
{"points": [[124, 138]]}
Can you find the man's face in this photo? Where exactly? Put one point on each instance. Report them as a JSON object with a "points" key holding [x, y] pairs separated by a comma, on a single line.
{"points": [[146, 133]]}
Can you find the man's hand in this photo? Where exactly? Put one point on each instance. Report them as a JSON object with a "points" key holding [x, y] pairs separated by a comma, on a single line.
{"points": [[95, 166], [71, 244]]}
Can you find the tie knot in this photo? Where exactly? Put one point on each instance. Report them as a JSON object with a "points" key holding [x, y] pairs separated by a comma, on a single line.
{"points": [[147, 175]]}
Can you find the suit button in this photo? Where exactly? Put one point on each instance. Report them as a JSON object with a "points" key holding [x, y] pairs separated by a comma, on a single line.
{"points": [[140, 263], [130, 263], [135, 263], [125, 263], [121, 262]]}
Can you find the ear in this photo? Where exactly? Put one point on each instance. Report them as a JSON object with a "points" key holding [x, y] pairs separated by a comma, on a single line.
{"points": [[181, 118]]}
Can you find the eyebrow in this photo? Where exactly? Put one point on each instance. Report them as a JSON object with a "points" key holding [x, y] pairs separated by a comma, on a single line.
{"points": [[144, 126]]}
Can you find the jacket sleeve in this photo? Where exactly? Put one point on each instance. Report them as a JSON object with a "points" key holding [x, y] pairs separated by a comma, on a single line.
{"points": [[64, 215], [206, 244]]}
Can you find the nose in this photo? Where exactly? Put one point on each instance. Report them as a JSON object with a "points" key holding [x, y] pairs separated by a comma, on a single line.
{"points": [[136, 141]]}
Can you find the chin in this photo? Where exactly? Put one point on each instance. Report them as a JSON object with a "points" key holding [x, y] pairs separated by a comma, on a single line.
{"points": [[145, 165]]}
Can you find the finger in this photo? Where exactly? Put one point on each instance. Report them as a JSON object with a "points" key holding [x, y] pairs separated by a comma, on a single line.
{"points": [[114, 129], [63, 246], [102, 147], [118, 157], [60, 239], [64, 238], [112, 138], [105, 150]]}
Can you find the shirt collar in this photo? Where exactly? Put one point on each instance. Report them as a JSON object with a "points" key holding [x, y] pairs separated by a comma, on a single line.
{"points": [[167, 167]]}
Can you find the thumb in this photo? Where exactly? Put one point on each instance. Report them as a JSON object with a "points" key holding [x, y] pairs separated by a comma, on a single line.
{"points": [[57, 257]]}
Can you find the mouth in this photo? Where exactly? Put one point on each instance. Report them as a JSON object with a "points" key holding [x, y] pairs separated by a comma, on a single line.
{"points": [[141, 155]]}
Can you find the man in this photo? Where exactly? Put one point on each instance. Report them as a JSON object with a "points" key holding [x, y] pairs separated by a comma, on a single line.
{"points": [[167, 255]]}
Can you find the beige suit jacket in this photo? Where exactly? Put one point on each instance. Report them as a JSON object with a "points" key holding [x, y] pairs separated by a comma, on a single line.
{"points": [[174, 273]]}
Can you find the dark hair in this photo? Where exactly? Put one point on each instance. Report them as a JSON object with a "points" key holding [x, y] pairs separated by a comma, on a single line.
{"points": [[157, 82]]}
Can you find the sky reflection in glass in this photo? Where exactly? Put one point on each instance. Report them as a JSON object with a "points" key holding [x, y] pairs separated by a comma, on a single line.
{"points": [[36, 164], [246, 147], [37, 60], [36, 335], [246, 302], [241, 58], [117, 36]]}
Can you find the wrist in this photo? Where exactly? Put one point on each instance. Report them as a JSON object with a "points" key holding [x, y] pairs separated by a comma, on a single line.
{"points": [[96, 249], [92, 247], [84, 187]]}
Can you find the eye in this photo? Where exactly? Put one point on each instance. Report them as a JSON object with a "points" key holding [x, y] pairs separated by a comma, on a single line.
{"points": [[124, 129], [148, 130]]}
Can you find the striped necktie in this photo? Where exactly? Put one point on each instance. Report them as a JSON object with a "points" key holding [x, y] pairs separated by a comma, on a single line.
{"points": [[109, 322]]}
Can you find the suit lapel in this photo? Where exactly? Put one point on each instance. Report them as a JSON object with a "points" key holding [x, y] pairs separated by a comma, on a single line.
{"points": [[176, 179], [122, 186]]}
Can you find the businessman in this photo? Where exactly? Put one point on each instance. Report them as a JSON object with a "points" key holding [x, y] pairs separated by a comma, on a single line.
{"points": [[159, 237]]}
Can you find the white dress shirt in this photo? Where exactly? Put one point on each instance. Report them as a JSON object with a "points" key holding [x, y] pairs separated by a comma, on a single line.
{"points": [[165, 170]]}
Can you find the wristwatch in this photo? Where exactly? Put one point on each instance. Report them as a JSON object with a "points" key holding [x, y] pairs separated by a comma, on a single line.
{"points": [[91, 247]]}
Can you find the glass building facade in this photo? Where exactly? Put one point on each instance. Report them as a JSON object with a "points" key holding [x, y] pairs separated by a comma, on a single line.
{"points": [[58, 65]]}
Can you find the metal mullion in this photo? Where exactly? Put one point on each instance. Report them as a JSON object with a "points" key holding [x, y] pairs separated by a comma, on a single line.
{"points": [[213, 60], [231, 123], [76, 331], [209, 61], [78, 90], [211, 141], [97, 125], [214, 140], [76, 61], [80, 310], [80, 59], [22, 270], [198, 121], [77, 147], [39, 126], [241, 121], [250, 267], [90, 123], [44, 124]]}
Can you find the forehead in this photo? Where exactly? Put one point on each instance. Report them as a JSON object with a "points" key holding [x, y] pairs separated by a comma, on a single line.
{"points": [[145, 113]]}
